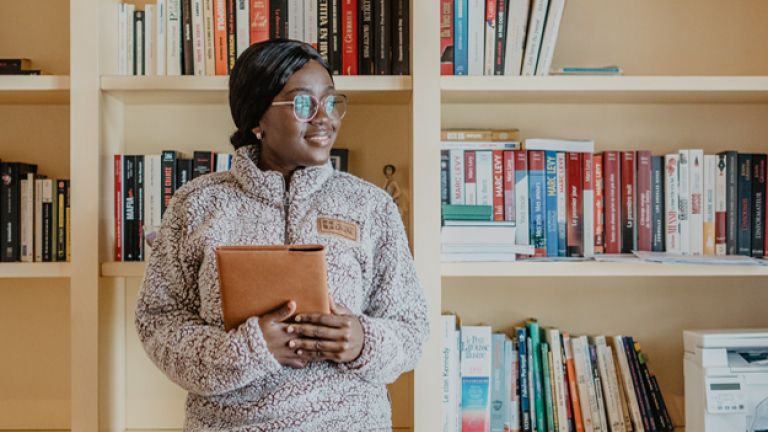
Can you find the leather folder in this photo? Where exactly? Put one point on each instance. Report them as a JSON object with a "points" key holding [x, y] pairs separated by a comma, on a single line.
{"points": [[255, 280]]}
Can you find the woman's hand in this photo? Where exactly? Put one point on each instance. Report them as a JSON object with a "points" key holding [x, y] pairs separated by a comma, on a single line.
{"points": [[273, 327], [337, 337]]}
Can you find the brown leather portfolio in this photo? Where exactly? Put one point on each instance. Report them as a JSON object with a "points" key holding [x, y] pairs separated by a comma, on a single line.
{"points": [[257, 279]]}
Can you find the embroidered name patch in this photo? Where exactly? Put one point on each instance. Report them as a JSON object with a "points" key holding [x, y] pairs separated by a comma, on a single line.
{"points": [[348, 230]]}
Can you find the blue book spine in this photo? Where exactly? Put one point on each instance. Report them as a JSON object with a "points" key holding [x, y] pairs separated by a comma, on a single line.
{"points": [[536, 185], [550, 160], [745, 205], [525, 401], [460, 42]]}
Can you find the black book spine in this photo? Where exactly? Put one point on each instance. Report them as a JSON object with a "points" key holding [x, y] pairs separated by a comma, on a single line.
{"points": [[183, 172], [652, 396], [168, 176], [10, 66], [335, 46], [139, 208], [501, 36], [277, 11], [365, 37], [139, 56], [203, 163], [324, 30], [629, 349], [401, 57], [758, 205], [231, 34], [47, 226], [745, 204], [129, 208], [664, 410], [382, 38], [445, 160], [187, 52], [9, 174], [731, 202], [657, 203], [61, 220]]}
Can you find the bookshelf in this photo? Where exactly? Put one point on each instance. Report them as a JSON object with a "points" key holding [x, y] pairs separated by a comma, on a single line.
{"points": [[685, 86]]}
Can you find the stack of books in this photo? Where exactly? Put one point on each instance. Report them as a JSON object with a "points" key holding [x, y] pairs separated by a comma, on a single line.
{"points": [[205, 37], [547, 380], [17, 66]]}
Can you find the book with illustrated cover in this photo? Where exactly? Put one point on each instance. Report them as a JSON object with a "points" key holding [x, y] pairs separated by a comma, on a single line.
{"points": [[475, 378]]}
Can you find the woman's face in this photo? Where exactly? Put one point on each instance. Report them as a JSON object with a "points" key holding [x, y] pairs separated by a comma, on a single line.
{"points": [[288, 143]]}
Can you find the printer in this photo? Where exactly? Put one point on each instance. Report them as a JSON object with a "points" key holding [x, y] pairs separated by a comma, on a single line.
{"points": [[726, 379]]}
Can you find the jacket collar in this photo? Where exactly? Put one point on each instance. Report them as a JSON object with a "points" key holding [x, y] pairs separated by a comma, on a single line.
{"points": [[270, 185]]}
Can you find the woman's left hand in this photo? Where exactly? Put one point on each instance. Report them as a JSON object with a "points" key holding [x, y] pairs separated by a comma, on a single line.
{"points": [[337, 337]]}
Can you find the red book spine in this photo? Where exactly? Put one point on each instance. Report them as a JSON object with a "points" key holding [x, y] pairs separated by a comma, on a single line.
{"points": [[118, 207], [628, 213], [599, 211], [498, 185], [220, 35], [575, 207], [644, 226], [765, 214], [349, 37], [509, 185], [446, 37], [259, 21], [612, 196]]}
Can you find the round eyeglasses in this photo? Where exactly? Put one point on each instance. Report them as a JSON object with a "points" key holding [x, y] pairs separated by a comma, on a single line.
{"points": [[305, 106]]}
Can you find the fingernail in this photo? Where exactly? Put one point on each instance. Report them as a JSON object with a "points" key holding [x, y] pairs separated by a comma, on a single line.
{"points": [[289, 329], [291, 344]]}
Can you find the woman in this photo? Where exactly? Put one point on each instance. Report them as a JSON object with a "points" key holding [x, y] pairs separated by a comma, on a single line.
{"points": [[279, 372]]}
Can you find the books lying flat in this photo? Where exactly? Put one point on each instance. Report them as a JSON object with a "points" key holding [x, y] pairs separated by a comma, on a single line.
{"points": [[577, 146], [467, 212]]}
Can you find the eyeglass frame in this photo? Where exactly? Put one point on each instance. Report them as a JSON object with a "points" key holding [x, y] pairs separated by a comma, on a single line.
{"points": [[317, 109]]}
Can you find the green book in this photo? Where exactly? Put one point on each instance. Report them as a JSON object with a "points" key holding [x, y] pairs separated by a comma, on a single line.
{"points": [[538, 390], [548, 401], [467, 212]]}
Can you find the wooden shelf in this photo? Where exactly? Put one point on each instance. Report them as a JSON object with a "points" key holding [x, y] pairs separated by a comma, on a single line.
{"points": [[213, 89], [34, 270], [34, 89], [610, 89], [595, 269], [123, 269]]}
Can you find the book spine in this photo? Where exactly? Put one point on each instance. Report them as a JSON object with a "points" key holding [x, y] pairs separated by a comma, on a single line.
{"points": [[122, 40], [150, 36], [758, 204], [445, 163], [475, 378], [231, 34], [296, 20], [509, 185], [460, 41], [551, 217], [335, 46], [628, 191], [152, 199], [610, 391], [349, 37], [161, 33], [168, 165], [721, 208], [562, 204], [130, 12], [536, 364], [457, 176], [575, 215], [470, 177], [588, 238], [554, 15], [8, 210], [382, 40], [27, 218], [484, 176], [173, 47], [644, 205], [243, 25], [38, 242], [517, 23], [209, 35], [259, 20], [582, 378], [522, 214], [512, 373], [640, 392], [708, 207], [118, 203], [534, 37], [278, 10], [139, 203], [664, 411], [365, 36], [187, 53], [198, 38], [612, 196], [573, 389], [653, 398], [129, 208], [220, 36], [400, 45], [475, 37], [47, 220], [498, 185], [499, 406], [684, 201], [536, 183], [599, 211], [310, 22], [500, 39], [671, 204], [657, 203], [732, 202], [446, 37], [525, 396], [598, 383], [547, 382], [183, 172], [324, 29], [138, 43], [489, 28], [696, 184], [745, 204], [203, 163]]}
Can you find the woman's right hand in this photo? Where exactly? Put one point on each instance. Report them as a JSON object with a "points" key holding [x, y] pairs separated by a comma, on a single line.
{"points": [[273, 328]]}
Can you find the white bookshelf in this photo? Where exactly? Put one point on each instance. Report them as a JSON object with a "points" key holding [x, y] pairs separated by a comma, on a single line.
{"points": [[34, 89], [34, 270]]}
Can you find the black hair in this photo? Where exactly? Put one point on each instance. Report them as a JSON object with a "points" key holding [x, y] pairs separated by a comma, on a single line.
{"points": [[260, 73]]}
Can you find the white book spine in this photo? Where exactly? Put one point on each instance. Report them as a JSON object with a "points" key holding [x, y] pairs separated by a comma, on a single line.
{"points": [[296, 19], [150, 39], [671, 205], [522, 236], [589, 206], [476, 37], [476, 369], [130, 52], [582, 376], [479, 145], [448, 371], [708, 212], [198, 38], [27, 218], [562, 196], [160, 33], [139, 45], [629, 387], [209, 44], [684, 201], [490, 40], [517, 24], [310, 22], [549, 42], [222, 162], [38, 220], [613, 380], [592, 390], [696, 219], [456, 167], [553, 339], [242, 23], [122, 40], [535, 32], [577, 146], [610, 393], [721, 182], [173, 38], [484, 177]]}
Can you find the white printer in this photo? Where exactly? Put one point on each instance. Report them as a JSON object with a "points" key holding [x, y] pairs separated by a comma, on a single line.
{"points": [[726, 378]]}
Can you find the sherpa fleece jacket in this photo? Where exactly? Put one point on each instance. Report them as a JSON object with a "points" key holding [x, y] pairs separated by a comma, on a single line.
{"points": [[233, 381]]}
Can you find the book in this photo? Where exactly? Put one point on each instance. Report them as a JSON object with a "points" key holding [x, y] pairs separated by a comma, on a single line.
{"points": [[684, 201], [573, 389], [475, 378], [187, 50], [583, 377], [444, 176], [721, 208], [150, 36], [499, 397], [259, 21], [517, 24], [457, 176], [708, 204], [198, 37], [598, 382], [231, 34], [536, 371], [161, 34], [489, 27], [11, 174], [138, 43], [48, 220], [525, 395], [365, 37], [644, 206], [203, 163], [589, 205], [575, 215], [499, 42], [612, 199], [552, 336], [475, 37], [221, 62], [599, 211], [538, 210], [745, 175], [484, 178], [732, 201], [546, 373], [562, 204], [758, 205], [522, 215], [242, 26], [696, 219], [657, 203], [575, 146], [628, 211], [27, 218], [62, 187], [549, 41], [174, 43], [382, 40], [400, 49], [450, 373], [497, 191], [551, 216], [38, 242], [536, 23], [349, 56], [609, 385], [482, 137], [467, 212], [509, 185], [671, 205]]}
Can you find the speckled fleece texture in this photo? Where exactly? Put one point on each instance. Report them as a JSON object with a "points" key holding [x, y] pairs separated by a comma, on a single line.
{"points": [[234, 382]]}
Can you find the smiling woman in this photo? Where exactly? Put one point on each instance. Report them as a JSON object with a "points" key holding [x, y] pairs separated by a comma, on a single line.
{"points": [[280, 371]]}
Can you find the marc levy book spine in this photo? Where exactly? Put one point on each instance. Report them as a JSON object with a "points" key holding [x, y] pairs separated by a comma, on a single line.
{"points": [[457, 177], [187, 52], [470, 177], [498, 184], [489, 26], [231, 34], [509, 185], [550, 175], [475, 378], [365, 36], [209, 45], [589, 205], [460, 41], [644, 205], [575, 190], [671, 204], [517, 24], [198, 37], [696, 219], [499, 41], [562, 204], [220, 36], [535, 33], [684, 201], [554, 15], [599, 240], [445, 162], [628, 211], [612, 197], [174, 45], [475, 37], [522, 231], [400, 49], [349, 37], [259, 20], [536, 183], [721, 208], [758, 204], [708, 207], [382, 41], [745, 204], [484, 176], [657, 203]]}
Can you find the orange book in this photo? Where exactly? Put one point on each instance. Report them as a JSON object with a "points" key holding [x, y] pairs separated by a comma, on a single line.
{"points": [[572, 387], [220, 36]]}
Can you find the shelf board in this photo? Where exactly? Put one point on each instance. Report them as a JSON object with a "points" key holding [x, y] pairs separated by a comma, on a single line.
{"points": [[34, 89], [123, 269], [213, 89], [34, 270], [595, 269], [609, 89]]}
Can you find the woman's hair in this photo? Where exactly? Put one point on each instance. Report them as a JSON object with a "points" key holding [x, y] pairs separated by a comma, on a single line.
{"points": [[260, 73]]}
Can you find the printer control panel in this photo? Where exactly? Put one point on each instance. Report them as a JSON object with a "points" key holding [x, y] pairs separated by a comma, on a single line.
{"points": [[725, 395]]}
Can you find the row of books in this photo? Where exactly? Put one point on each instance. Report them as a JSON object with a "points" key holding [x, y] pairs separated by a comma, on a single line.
{"points": [[205, 37], [17, 66], [544, 379], [498, 37], [34, 215], [566, 200]]}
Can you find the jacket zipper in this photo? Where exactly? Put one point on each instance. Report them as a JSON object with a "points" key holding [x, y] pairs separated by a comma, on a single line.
{"points": [[286, 206]]}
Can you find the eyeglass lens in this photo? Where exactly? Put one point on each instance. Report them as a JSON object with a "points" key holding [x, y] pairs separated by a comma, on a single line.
{"points": [[306, 106]]}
